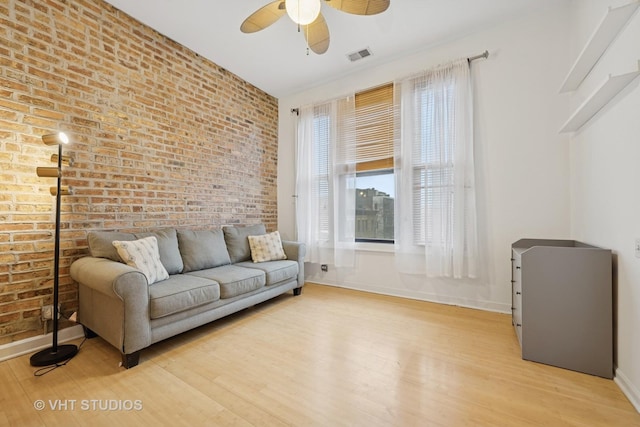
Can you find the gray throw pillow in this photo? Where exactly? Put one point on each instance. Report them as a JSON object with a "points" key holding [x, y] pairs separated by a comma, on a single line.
{"points": [[238, 241], [202, 249], [100, 243], [168, 247]]}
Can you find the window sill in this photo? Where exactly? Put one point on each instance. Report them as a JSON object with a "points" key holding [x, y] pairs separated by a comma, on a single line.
{"points": [[375, 247]]}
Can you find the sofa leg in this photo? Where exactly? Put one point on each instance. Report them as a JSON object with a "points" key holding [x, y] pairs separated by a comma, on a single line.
{"points": [[297, 291], [131, 360], [88, 333]]}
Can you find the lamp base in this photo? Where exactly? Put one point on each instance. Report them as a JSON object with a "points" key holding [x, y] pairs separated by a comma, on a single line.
{"points": [[48, 357]]}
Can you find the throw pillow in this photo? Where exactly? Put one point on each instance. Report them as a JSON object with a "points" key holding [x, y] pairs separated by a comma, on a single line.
{"points": [[237, 242], [100, 243], [202, 249], [144, 255], [267, 247], [168, 248]]}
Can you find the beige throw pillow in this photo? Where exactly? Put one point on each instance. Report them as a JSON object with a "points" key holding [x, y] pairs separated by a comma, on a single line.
{"points": [[266, 247], [144, 255]]}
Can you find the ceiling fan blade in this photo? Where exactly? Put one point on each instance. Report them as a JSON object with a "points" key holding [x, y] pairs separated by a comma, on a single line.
{"points": [[360, 7], [317, 35], [263, 17]]}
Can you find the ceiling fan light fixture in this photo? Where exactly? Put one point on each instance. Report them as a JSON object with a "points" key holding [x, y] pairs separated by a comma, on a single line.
{"points": [[303, 12]]}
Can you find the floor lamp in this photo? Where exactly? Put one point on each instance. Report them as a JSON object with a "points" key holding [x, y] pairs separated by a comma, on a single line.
{"points": [[56, 353]]}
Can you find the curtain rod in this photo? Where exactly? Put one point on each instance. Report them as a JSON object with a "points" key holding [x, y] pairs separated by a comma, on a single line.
{"points": [[483, 55]]}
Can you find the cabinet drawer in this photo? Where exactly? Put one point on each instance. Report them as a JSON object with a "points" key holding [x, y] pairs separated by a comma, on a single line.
{"points": [[517, 324], [516, 270]]}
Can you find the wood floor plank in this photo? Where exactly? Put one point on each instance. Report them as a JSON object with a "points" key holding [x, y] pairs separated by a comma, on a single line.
{"points": [[328, 357], [15, 406]]}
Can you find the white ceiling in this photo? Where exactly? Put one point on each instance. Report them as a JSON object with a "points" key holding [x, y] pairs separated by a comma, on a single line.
{"points": [[275, 58]]}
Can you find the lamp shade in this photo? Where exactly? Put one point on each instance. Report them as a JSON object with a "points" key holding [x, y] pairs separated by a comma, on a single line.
{"points": [[303, 12], [65, 190], [66, 160], [55, 138], [47, 172]]}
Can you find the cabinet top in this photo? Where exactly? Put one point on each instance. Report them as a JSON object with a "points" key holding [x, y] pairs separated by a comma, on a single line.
{"points": [[523, 244]]}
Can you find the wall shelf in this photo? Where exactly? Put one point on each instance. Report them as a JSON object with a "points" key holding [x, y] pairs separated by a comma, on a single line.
{"points": [[594, 103], [600, 40]]}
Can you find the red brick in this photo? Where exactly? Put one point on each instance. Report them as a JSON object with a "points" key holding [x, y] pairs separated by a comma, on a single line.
{"points": [[160, 137]]}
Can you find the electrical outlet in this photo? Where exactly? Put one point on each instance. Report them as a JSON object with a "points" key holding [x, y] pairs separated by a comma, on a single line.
{"points": [[47, 312], [638, 248], [324, 267]]}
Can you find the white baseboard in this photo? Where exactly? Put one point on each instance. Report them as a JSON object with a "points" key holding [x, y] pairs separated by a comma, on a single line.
{"points": [[33, 344], [628, 388], [448, 300]]}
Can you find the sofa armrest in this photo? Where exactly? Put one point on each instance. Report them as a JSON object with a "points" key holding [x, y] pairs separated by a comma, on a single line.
{"points": [[296, 251], [113, 302]]}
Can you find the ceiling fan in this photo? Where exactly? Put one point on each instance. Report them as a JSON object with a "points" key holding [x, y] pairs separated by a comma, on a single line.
{"points": [[306, 13]]}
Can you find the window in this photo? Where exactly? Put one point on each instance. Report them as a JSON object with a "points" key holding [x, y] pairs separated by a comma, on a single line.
{"points": [[435, 203], [375, 206], [432, 161], [374, 165], [321, 153], [351, 189]]}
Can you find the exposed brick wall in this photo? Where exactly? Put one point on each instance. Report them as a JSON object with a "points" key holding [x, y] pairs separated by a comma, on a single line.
{"points": [[160, 137]]}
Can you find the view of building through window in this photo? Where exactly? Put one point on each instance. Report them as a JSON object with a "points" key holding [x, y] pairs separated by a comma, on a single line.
{"points": [[374, 206]]}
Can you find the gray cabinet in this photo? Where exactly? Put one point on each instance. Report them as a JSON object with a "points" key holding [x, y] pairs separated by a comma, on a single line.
{"points": [[562, 304]]}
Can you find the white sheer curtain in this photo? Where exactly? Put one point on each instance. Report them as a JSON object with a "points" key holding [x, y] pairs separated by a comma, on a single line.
{"points": [[325, 182], [435, 218]]}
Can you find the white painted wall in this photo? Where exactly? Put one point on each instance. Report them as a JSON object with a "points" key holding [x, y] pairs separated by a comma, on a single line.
{"points": [[605, 179], [522, 161]]}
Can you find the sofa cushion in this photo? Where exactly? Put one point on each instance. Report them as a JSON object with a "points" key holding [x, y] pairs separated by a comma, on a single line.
{"points": [[233, 280], [143, 254], [100, 243], [179, 293], [168, 247], [276, 271], [267, 247], [202, 249], [237, 241]]}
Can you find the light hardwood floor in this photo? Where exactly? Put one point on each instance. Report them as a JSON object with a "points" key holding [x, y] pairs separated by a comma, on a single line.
{"points": [[330, 357]]}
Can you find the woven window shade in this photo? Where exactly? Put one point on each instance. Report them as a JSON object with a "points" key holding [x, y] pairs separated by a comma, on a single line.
{"points": [[374, 128]]}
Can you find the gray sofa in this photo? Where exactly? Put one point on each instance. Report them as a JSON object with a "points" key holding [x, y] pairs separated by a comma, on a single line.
{"points": [[211, 275]]}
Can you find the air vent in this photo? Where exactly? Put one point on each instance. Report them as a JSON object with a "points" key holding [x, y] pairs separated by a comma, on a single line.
{"points": [[355, 56]]}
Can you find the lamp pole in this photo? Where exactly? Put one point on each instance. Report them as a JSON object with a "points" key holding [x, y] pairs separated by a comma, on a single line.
{"points": [[55, 354], [56, 254]]}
